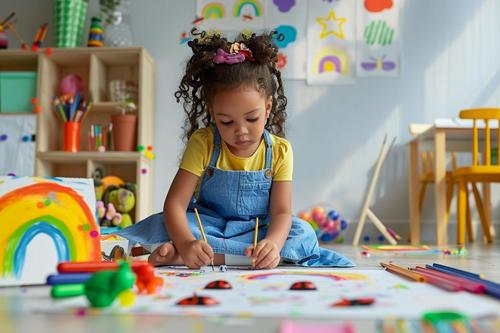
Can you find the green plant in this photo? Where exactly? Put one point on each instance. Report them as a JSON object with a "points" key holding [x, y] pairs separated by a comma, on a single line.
{"points": [[107, 10]]}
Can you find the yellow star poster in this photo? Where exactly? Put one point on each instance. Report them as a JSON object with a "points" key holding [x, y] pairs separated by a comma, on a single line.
{"points": [[331, 39]]}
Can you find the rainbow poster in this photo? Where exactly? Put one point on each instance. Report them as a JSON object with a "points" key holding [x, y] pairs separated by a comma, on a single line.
{"points": [[331, 42], [230, 15], [44, 221]]}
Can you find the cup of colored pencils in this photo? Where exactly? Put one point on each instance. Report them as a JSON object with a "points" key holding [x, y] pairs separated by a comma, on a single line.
{"points": [[71, 110]]}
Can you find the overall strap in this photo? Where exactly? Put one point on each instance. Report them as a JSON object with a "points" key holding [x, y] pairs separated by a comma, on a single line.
{"points": [[217, 147], [269, 150]]}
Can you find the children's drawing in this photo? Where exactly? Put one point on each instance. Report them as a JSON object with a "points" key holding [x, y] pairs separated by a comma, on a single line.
{"points": [[378, 33], [379, 47], [376, 6], [347, 294], [43, 221], [331, 49], [327, 28], [289, 18], [230, 15], [284, 6]]}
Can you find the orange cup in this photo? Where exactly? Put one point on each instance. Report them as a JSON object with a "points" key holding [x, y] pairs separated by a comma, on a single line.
{"points": [[72, 136]]}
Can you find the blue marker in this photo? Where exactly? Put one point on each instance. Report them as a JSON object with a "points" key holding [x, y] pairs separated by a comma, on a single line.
{"points": [[68, 278]]}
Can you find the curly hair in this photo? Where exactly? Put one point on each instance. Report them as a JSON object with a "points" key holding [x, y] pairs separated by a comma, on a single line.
{"points": [[203, 79]]}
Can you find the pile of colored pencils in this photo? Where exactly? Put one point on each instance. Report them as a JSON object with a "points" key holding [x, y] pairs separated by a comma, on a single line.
{"points": [[448, 278], [72, 108]]}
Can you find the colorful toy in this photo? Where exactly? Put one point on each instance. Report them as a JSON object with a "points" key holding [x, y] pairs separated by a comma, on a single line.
{"points": [[122, 199], [39, 37], [96, 33], [327, 225], [103, 287], [147, 281]]}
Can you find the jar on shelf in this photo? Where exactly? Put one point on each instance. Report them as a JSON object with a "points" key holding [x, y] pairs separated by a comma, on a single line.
{"points": [[116, 20]]}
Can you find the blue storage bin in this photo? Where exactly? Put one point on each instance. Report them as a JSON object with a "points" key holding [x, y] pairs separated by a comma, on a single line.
{"points": [[16, 91]]}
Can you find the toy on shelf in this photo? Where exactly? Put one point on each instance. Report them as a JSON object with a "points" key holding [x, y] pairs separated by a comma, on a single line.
{"points": [[4, 40], [116, 199], [96, 33], [148, 152], [39, 37], [328, 225]]}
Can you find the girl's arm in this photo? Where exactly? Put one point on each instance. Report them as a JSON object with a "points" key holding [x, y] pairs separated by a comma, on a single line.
{"points": [[174, 212], [267, 252], [281, 212]]}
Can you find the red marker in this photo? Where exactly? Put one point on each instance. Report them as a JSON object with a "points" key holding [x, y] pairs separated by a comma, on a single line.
{"points": [[95, 266]]}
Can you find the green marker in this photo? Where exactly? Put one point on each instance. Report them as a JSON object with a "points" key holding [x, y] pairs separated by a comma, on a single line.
{"points": [[444, 316], [67, 290]]}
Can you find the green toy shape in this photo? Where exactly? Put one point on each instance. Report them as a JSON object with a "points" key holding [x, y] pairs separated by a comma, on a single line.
{"points": [[103, 287]]}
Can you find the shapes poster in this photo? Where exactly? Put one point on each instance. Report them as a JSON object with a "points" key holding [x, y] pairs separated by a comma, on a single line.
{"points": [[331, 39], [231, 14], [378, 34], [288, 18], [44, 221]]}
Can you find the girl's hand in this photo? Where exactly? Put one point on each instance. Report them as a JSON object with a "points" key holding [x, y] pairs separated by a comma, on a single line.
{"points": [[266, 255], [196, 253]]}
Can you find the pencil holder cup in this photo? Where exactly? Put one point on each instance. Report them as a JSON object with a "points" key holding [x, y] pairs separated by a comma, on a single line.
{"points": [[124, 132], [72, 136]]}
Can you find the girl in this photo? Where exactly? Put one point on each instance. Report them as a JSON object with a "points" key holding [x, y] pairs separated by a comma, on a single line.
{"points": [[237, 165]]}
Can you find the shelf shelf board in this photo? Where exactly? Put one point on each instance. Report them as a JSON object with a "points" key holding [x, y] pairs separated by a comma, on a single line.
{"points": [[107, 107], [110, 157]]}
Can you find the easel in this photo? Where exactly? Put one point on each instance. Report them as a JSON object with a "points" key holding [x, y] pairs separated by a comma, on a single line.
{"points": [[367, 212]]}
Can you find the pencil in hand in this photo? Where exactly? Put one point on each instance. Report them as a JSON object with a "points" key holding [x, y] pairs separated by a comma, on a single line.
{"points": [[202, 232], [256, 232]]}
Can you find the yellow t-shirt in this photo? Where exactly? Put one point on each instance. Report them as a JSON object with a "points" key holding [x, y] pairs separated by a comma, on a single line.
{"points": [[201, 145]]}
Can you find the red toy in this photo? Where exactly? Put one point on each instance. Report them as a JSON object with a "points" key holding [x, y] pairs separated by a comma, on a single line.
{"points": [[354, 301], [219, 284], [303, 285], [198, 300], [146, 280]]}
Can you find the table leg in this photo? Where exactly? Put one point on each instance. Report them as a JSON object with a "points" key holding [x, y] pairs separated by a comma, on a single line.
{"points": [[440, 185], [413, 193]]}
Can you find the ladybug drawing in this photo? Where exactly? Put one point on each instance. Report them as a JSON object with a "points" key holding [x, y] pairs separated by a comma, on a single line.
{"points": [[354, 302], [198, 300], [219, 284], [303, 285]]}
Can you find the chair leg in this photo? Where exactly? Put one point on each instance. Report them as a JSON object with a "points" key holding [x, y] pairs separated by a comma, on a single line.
{"points": [[449, 195], [421, 196], [470, 230], [482, 214], [461, 211]]}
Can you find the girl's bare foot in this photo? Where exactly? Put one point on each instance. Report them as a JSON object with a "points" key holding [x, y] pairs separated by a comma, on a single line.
{"points": [[165, 254]]}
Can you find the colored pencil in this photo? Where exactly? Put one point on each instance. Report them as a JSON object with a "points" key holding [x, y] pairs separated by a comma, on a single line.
{"points": [[492, 288], [57, 279], [202, 232], [456, 270], [403, 272], [95, 266], [467, 285], [255, 236], [440, 282]]}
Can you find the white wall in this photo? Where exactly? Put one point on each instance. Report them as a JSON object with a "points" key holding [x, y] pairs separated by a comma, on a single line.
{"points": [[450, 55]]}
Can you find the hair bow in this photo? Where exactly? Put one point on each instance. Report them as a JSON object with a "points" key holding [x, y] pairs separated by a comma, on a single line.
{"points": [[238, 52]]}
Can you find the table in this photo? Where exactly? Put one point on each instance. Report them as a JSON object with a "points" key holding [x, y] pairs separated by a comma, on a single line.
{"points": [[445, 135]]}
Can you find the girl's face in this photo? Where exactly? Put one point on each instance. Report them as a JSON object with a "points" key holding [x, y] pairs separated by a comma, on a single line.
{"points": [[240, 114]]}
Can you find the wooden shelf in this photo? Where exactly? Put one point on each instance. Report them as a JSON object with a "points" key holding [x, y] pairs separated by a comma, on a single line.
{"points": [[97, 67], [111, 156]]}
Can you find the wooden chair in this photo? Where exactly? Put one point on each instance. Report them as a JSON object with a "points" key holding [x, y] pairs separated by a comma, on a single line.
{"points": [[485, 173]]}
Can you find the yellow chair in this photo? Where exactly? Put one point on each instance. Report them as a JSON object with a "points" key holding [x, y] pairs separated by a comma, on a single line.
{"points": [[485, 173]]}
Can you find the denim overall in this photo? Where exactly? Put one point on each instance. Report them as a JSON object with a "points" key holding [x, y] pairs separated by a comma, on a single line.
{"points": [[228, 203]]}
